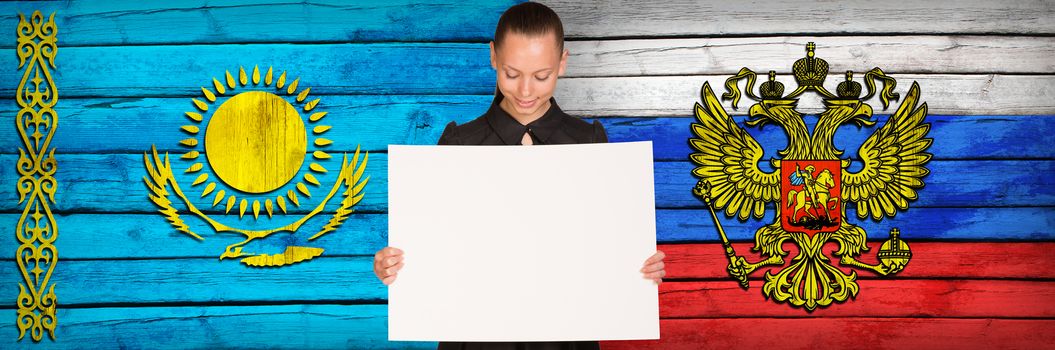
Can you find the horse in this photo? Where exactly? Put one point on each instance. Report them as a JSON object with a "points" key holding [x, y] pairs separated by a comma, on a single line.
{"points": [[822, 187]]}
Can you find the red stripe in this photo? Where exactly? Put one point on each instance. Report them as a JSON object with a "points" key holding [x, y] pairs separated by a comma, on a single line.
{"points": [[883, 298], [929, 260], [847, 333]]}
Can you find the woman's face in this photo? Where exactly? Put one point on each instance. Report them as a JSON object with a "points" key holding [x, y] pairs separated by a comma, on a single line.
{"points": [[527, 68]]}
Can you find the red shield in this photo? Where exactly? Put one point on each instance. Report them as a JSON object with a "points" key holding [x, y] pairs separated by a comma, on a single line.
{"points": [[809, 200]]}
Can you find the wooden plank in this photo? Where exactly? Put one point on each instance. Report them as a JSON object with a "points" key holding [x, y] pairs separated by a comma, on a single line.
{"points": [[101, 236], [951, 94], [627, 18], [950, 183], [877, 298], [351, 280], [209, 280], [182, 70], [955, 137], [133, 125], [872, 333], [109, 23], [149, 236], [218, 327], [894, 54], [972, 260], [105, 182]]}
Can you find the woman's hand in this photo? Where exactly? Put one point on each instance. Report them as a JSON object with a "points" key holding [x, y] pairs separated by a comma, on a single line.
{"points": [[387, 263], [654, 269]]}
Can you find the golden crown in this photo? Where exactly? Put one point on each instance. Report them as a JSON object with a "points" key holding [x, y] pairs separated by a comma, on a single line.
{"points": [[810, 73]]}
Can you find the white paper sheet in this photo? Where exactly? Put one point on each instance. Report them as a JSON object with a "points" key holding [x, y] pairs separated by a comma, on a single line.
{"points": [[529, 243]]}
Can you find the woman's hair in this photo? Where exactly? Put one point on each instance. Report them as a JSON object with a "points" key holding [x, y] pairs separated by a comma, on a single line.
{"points": [[531, 19]]}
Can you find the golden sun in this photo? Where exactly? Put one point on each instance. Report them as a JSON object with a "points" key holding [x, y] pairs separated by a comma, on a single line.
{"points": [[255, 142]]}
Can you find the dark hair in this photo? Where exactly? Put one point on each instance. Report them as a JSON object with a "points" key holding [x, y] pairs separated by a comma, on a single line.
{"points": [[531, 19]]}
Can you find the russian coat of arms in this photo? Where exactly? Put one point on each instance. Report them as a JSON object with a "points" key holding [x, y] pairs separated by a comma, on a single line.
{"points": [[811, 184]]}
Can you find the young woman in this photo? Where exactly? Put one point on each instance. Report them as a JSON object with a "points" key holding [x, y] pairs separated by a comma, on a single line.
{"points": [[528, 55]]}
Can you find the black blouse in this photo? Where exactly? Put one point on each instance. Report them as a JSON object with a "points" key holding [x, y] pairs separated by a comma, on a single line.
{"points": [[496, 127]]}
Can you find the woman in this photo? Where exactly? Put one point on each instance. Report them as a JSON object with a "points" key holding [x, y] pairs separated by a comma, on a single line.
{"points": [[528, 55]]}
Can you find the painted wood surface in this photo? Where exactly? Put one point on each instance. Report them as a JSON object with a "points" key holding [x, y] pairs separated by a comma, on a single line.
{"points": [[930, 260], [855, 332], [628, 18], [133, 125], [121, 23], [980, 232], [104, 183], [903, 54], [290, 326]]}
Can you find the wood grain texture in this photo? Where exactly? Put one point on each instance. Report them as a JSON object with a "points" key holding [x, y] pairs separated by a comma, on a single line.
{"points": [[109, 23], [337, 68], [627, 18], [940, 260], [210, 281], [295, 326], [955, 137], [951, 94], [904, 54], [351, 281], [837, 332], [148, 236], [877, 298], [133, 125], [106, 182]]}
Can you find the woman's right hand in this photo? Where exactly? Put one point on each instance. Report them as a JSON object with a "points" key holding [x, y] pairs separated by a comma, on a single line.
{"points": [[387, 263]]}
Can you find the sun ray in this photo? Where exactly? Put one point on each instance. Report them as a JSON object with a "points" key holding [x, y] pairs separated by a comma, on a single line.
{"points": [[218, 86], [230, 79], [190, 155], [219, 197], [267, 78], [303, 189], [230, 204], [281, 203], [311, 105], [303, 95], [317, 116], [321, 142], [208, 94], [281, 80], [196, 167], [321, 155], [311, 179], [292, 86], [242, 205], [316, 167], [208, 189], [191, 142], [194, 116], [293, 197], [256, 75], [201, 178], [190, 129], [201, 105], [256, 209], [318, 130], [241, 76], [267, 206]]}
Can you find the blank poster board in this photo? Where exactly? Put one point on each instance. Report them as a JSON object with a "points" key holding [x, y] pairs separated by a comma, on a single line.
{"points": [[530, 243]]}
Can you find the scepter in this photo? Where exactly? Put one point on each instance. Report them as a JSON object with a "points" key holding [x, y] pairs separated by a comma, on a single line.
{"points": [[702, 190]]}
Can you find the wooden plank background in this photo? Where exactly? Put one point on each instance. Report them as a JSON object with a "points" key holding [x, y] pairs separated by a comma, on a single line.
{"points": [[395, 72]]}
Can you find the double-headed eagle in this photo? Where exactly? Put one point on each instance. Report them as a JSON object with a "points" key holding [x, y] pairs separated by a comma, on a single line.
{"points": [[733, 178]]}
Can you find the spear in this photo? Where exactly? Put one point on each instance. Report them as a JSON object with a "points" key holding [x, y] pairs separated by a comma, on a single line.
{"points": [[702, 190]]}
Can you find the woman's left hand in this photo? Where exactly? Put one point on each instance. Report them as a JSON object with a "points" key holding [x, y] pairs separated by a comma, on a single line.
{"points": [[654, 269]]}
